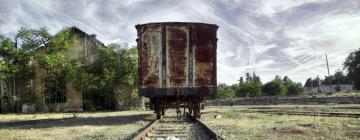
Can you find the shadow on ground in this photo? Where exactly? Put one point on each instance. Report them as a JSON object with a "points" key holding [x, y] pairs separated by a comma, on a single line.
{"points": [[71, 122]]}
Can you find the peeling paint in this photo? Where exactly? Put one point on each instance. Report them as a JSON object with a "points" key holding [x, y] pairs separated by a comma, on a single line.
{"points": [[177, 55]]}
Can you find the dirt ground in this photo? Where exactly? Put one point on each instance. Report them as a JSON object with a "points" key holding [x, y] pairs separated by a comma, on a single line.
{"points": [[80, 126], [237, 123]]}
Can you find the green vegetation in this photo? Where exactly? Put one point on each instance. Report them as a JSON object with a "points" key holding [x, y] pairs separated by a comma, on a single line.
{"points": [[80, 126], [112, 76], [237, 123], [275, 87], [253, 87], [352, 65], [224, 91], [337, 79]]}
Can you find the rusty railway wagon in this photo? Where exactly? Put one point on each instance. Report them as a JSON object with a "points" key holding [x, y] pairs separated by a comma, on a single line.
{"points": [[177, 64]]}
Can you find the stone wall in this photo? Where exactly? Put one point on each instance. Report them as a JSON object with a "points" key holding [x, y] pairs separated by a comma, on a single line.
{"points": [[284, 100], [326, 88], [74, 100]]}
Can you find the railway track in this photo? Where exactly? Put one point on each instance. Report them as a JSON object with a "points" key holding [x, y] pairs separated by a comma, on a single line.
{"points": [[310, 113], [177, 129], [29, 122]]}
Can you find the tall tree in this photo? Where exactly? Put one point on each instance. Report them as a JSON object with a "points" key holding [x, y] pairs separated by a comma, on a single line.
{"points": [[316, 81], [308, 82], [352, 65], [241, 81], [251, 87], [340, 78]]}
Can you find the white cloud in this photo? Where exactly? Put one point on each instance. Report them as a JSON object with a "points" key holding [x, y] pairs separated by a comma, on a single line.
{"points": [[269, 37]]}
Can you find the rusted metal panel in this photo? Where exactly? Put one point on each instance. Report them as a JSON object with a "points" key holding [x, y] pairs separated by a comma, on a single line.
{"points": [[177, 57], [177, 52], [204, 43], [150, 60]]}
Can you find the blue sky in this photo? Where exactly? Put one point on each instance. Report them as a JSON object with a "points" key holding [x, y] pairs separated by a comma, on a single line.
{"points": [[270, 37]]}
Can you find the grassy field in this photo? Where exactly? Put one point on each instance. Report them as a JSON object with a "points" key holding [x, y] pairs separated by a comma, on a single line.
{"points": [[236, 123], [336, 94], [82, 126]]}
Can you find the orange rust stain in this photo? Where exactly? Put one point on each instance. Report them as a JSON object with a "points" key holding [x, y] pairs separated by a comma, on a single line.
{"points": [[205, 51], [150, 58], [177, 47]]}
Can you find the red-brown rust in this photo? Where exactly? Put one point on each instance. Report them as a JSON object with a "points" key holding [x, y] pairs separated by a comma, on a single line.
{"points": [[170, 66], [177, 37], [205, 42], [149, 60]]}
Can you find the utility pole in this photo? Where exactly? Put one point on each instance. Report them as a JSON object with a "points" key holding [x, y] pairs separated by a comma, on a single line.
{"points": [[327, 64]]}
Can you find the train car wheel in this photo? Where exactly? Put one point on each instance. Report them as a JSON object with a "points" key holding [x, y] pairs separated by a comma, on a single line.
{"points": [[162, 111], [158, 114], [198, 113], [194, 111]]}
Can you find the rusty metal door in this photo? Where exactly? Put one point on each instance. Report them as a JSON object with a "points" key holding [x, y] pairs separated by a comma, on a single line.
{"points": [[150, 51], [204, 44], [177, 56]]}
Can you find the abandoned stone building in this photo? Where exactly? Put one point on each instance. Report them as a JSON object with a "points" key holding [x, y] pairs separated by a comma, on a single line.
{"points": [[334, 88], [72, 100]]}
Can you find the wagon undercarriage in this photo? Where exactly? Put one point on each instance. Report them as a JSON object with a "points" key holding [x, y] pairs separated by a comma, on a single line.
{"points": [[181, 103]]}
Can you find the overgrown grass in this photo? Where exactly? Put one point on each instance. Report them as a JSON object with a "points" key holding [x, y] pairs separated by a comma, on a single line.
{"points": [[236, 124], [86, 126], [58, 115], [336, 94]]}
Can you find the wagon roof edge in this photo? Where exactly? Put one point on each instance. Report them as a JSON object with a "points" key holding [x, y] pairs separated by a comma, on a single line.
{"points": [[175, 23]]}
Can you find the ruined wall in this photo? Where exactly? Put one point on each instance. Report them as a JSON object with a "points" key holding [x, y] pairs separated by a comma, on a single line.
{"points": [[87, 47], [37, 84], [326, 88], [74, 99], [284, 100]]}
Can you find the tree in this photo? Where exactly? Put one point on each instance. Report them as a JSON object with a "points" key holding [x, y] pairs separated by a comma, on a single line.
{"points": [[34, 39], [115, 70], [14, 67], [308, 82], [274, 87], [286, 80], [241, 81], [251, 87], [248, 77], [295, 89], [224, 91], [352, 65], [340, 78], [123, 63], [316, 81]]}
